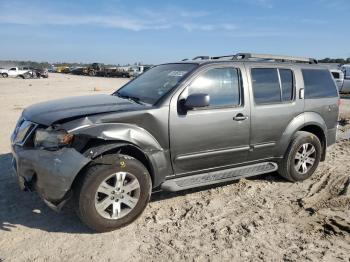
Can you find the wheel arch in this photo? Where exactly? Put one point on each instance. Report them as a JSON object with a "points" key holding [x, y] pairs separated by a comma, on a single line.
{"points": [[97, 151], [317, 131], [310, 122]]}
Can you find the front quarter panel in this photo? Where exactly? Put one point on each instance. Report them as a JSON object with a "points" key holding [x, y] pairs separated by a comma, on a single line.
{"points": [[147, 130]]}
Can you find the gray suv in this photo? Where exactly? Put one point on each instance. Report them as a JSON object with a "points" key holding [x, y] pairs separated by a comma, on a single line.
{"points": [[177, 126]]}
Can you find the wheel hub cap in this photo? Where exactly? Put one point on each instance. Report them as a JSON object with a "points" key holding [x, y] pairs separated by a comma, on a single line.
{"points": [[305, 158], [117, 195]]}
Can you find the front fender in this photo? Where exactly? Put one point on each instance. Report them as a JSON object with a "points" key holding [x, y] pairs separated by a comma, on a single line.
{"points": [[122, 131], [123, 134]]}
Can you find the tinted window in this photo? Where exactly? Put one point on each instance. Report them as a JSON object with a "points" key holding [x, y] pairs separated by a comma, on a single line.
{"points": [[336, 75], [318, 83], [266, 86], [221, 84], [287, 84], [156, 82]]}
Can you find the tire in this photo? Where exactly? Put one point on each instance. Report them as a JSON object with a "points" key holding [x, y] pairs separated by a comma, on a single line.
{"points": [[290, 167], [88, 196], [5, 75]]}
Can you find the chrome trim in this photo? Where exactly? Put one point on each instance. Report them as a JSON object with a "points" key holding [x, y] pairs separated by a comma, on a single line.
{"points": [[263, 145], [211, 153]]}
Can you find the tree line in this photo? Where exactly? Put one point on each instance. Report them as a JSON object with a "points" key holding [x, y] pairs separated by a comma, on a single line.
{"points": [[341, 61]]}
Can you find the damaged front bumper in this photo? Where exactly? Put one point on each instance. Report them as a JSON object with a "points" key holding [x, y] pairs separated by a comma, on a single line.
{"points": [[50, 173]]}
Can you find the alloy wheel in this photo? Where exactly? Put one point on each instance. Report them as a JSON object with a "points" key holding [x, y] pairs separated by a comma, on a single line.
{"points": [[305, 158], [117, 195]]}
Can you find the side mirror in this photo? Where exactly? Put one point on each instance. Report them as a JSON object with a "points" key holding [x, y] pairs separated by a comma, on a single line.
{"points": [[197, 100]]}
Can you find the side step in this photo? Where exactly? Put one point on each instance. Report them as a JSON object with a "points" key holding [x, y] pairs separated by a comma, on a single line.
{"points": [[215, 177]]}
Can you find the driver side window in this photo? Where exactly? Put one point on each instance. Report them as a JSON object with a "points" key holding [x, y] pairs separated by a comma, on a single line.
{"points": [[221, 84]]}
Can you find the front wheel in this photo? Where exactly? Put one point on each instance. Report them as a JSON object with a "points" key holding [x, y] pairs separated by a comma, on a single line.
{"points": [[112, 196], [302, 157]]}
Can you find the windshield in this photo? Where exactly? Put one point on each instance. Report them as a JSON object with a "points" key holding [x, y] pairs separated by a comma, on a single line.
{"points": [[155, 83]]}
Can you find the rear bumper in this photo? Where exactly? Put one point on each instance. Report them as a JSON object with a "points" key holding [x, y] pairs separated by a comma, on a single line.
{"points": [[50, 173]]}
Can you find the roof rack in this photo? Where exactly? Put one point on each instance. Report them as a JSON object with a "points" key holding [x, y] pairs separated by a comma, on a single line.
{"points": [[202, 57], [228, 57], [281, 58], [247, 56]]}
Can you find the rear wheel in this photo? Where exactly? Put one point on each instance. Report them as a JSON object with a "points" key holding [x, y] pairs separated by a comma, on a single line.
{"points": [[113, 196], [5, 75], [302, 157]]}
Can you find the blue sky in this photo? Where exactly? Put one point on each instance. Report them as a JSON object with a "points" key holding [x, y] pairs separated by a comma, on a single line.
{"points": [[120, 31]]}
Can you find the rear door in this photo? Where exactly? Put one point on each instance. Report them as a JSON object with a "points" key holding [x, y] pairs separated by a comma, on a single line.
{"points": [[274, 103]]}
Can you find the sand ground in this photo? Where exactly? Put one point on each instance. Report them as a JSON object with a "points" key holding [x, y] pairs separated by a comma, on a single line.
{"points": [[256, 219]]}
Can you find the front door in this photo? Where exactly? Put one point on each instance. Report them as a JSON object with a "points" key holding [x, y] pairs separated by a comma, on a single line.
{"points": [[215, 136]]}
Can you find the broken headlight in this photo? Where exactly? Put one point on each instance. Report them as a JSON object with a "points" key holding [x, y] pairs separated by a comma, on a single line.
{"points": [[52, 139]]}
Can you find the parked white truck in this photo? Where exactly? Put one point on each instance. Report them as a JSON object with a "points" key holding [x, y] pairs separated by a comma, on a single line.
{"points": [[13, 72], [3, 71]]}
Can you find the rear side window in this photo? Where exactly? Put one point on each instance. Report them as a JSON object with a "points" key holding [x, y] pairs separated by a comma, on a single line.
{"points": [[287, 84], [318, 83], [336, 75], [221, 84], [272, 85]]}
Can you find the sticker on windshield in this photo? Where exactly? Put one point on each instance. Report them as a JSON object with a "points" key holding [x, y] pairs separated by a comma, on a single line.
{"points": [[177, 73]]}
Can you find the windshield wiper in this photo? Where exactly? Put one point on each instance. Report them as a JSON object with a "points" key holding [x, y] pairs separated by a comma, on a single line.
{"points": [[132, 98]]}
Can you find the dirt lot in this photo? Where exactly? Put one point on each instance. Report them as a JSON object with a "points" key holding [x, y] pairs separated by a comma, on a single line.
{"points": [[265, 218]]}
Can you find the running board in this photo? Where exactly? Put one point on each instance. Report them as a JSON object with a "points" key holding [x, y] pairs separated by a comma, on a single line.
{"points": [[215, 177]]}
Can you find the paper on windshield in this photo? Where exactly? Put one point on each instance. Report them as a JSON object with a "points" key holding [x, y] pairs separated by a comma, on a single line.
{"points": [[177, 73]]}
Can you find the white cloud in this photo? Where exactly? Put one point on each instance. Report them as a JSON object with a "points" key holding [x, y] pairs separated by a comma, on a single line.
{"points": [[112, 21], [207, 27], [142, 20], [133, 20], [194, 13]]}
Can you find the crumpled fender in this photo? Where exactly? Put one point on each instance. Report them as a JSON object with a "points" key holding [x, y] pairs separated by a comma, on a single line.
{"points": [[129, 134]]}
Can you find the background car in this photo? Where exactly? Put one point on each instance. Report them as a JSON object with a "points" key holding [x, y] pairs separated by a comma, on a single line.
{"points": [[346, 84], [338, 76]]}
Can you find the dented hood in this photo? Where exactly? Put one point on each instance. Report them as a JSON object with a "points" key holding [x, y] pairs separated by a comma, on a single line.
{"points": [[47, 113]]}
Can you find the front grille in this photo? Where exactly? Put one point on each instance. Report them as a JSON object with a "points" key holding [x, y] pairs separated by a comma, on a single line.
{"points": [[24, 129]]}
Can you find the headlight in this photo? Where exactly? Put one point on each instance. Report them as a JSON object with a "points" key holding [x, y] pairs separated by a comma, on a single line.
{"points": [[52, 139]]}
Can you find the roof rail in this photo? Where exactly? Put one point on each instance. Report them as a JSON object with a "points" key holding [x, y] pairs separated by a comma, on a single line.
{"points": [[224, 57], [281, 58], [202, 57], [247, 56]]}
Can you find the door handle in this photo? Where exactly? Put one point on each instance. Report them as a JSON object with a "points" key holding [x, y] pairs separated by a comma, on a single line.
{"points": [[240, 117]]}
